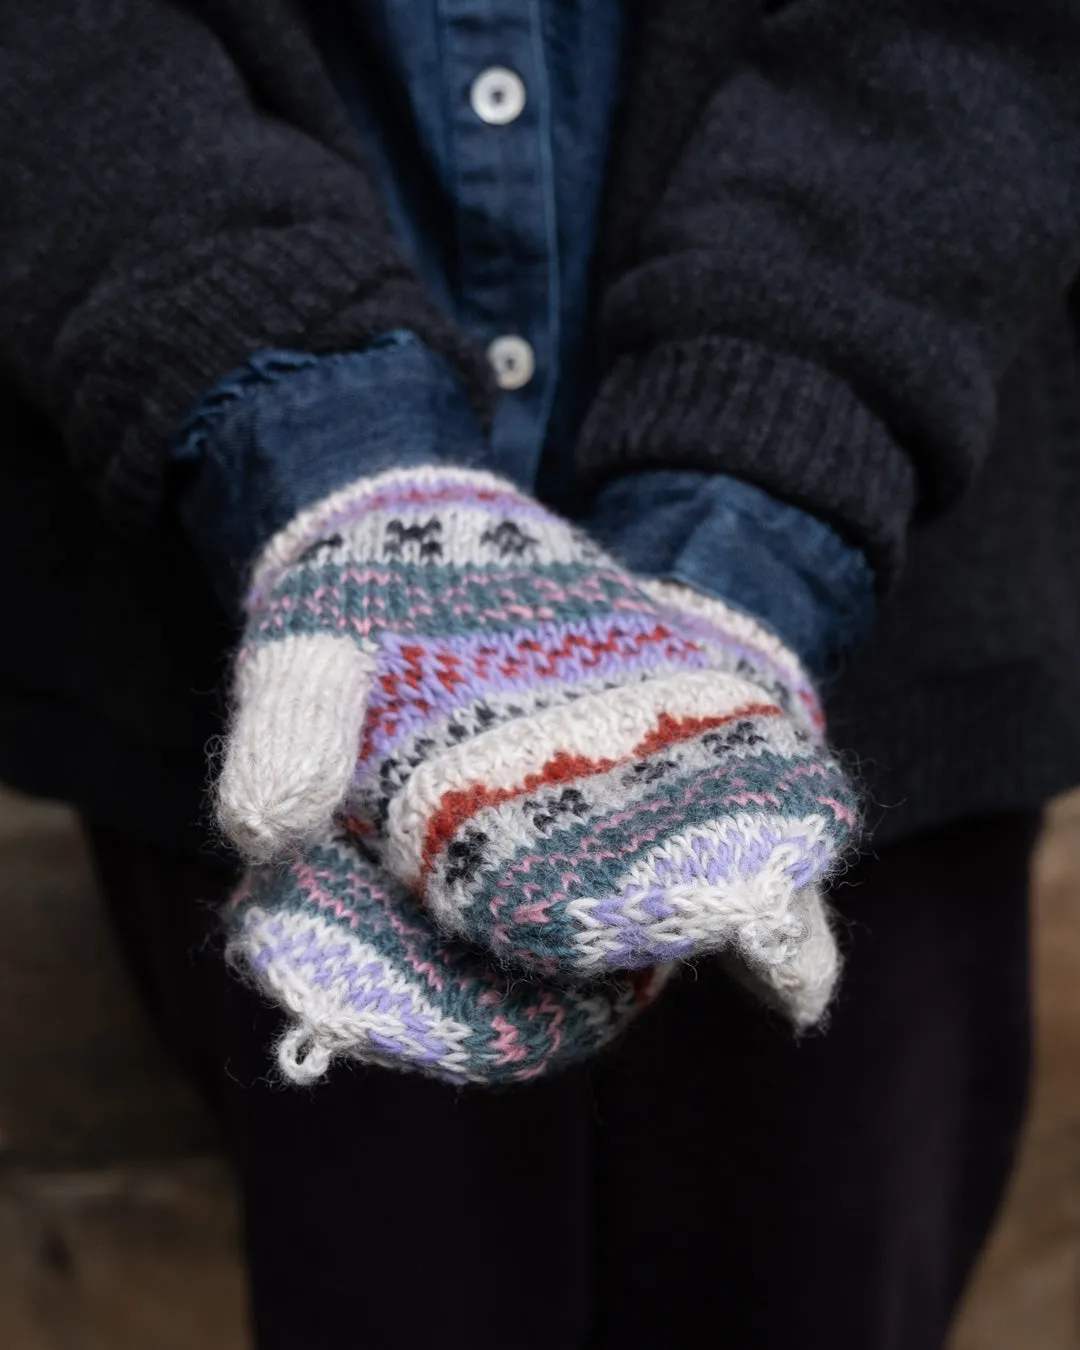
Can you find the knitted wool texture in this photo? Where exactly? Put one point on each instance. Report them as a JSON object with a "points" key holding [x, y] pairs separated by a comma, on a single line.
{"points": [[579, 771], [362, 974]]}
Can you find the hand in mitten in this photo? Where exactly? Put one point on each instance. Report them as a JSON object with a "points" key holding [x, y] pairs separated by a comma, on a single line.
{"points": [[574, 772], [361, 972], [785, 951]]}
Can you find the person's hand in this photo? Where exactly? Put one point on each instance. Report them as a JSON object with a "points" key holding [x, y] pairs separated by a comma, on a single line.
{"points": [[579, 772]]}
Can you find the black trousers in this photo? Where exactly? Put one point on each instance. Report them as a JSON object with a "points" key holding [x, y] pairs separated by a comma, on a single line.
{"points": [[712, 1182]]}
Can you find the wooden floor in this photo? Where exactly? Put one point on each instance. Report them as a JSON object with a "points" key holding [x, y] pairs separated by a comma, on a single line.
{"points": [[117, 1219], [1026, 1295]]}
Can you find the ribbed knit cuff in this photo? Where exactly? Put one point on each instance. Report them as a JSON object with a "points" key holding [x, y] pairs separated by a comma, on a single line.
{"points": [[201, 314], [722, 404]]}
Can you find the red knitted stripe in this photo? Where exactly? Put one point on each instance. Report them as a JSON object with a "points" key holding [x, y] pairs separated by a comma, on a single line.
{"points": [[457, 807], [405, 688]]}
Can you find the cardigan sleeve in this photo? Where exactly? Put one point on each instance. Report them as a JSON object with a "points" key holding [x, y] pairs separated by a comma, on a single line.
{"points": [[877, 203], [165, 215]]}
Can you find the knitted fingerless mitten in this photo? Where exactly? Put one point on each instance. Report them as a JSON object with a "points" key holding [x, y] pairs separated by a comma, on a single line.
{"points": [[574, 771], [362, 974]]}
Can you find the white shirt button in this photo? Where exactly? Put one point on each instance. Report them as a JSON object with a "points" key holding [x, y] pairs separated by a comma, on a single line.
{"points": [[497, 96], [513, 361]]}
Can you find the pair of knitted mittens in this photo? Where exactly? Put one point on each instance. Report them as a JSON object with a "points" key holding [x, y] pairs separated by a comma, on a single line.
{"points": [[579, 773]]}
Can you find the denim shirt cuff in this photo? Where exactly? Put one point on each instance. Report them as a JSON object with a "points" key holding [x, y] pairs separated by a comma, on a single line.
{"points": [[290, 427], [737, 543]]}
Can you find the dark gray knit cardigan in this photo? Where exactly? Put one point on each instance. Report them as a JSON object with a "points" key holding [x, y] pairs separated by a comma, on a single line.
{"points": [[839, 241]]}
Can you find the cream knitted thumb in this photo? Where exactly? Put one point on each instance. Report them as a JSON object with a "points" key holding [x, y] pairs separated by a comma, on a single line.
{"points": [[292, 750], [299, 694]]}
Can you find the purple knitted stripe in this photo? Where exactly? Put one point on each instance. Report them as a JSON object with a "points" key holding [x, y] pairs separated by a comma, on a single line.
{"points": [[366, 905], [362, 987], [714, 861], [395, 1049], [717, 858], [617, 838], [456, 671]]}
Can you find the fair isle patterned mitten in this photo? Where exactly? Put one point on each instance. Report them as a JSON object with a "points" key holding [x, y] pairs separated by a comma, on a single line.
{"points": [[788, 956], [571, 771], [361, 973]]}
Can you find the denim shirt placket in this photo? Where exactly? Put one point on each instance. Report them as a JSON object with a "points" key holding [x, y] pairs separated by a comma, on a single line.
{"points": [[502, 184]]}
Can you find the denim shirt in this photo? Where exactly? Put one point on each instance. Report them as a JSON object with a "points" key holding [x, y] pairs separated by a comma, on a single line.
{"points": [[489, 126]]}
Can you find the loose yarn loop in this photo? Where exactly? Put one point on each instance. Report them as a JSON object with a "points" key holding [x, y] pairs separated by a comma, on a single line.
{"points": [[302, 1057]]}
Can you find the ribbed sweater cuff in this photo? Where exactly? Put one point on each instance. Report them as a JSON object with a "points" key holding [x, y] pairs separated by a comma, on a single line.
{"points": [[202, 314], [725, 405]]}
